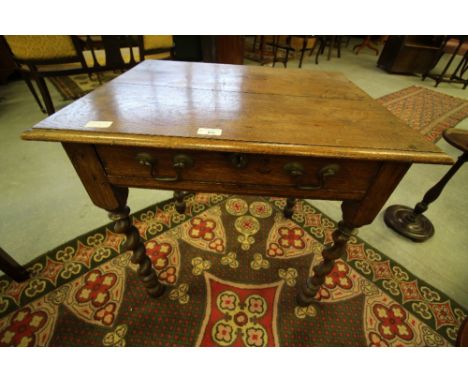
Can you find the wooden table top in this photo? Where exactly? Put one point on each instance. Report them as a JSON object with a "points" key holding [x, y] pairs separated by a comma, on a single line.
{"points": [[254, 109]]}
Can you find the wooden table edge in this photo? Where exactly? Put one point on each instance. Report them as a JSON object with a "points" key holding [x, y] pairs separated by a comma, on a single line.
{"points": [[190, 143]]}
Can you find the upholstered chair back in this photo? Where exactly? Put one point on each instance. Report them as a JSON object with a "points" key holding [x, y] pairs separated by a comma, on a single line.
{"points": [[39, 48], [157, 42]]}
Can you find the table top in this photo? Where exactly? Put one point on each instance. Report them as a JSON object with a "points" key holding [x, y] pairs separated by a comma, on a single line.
{"points": [[247, 108]]}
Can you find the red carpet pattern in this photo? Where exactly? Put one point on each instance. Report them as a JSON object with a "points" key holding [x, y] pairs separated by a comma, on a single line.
{"points": [[427, 111], [232, 266]]}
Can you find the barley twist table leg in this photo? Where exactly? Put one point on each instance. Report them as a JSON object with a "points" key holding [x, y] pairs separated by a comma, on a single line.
{"points": [[289, 209], [340, 237], [134, 243], [180, 204]]}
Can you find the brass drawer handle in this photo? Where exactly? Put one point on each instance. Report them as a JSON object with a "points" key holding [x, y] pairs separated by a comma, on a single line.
{"points": [[296, 171], [179, 163]]}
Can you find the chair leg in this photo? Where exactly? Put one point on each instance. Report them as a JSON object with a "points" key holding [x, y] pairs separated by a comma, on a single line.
{"points": [[435, 61], [45, 95], [461, 67], [441, 76], [324, 45], [320, 49], [275, 51], [304, 46], [311, 52], [348, 39], [34, 93], [254, 44], [261, 47], [463, 71]]}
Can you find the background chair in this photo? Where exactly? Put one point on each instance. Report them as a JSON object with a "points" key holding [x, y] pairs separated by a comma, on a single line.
{"points": [[124, 52], [39, 57], [454, 46], [331, 42], [111, 52], [291, 45], [261, 50], [154, 47]]}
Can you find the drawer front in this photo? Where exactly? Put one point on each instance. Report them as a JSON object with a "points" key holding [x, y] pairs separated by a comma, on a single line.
{"points": [[154, 166]]}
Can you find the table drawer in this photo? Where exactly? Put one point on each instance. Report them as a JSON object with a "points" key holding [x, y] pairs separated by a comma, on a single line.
{"points": [[308, 174]]}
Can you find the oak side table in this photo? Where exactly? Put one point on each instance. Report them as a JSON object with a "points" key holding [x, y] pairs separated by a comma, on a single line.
{"points": [[236, 129]]}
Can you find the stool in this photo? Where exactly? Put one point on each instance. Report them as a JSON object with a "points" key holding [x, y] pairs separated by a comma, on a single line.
{"points": [[411, 223]]}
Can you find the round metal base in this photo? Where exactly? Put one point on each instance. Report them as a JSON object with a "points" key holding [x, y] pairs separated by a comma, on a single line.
{"points": [[404, 221]]}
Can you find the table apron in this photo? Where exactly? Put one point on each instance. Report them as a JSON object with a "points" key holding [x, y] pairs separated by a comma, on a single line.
{"points": [[236, 188], [256, 174]]}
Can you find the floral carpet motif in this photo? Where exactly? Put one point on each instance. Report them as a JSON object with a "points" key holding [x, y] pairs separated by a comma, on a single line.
{"points": [[232, 266]]}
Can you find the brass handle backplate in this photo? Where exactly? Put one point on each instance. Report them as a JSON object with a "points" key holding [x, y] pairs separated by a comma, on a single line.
{"points": [[238, 160], [145, 159], [297, 171], [179, 163]]}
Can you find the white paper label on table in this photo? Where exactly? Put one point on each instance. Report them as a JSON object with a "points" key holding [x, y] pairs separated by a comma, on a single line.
{"points": [[98, 124], [206, 131]]}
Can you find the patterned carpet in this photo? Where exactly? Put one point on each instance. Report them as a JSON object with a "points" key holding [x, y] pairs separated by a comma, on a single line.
{"points": [[425, 110], [233, 266]]}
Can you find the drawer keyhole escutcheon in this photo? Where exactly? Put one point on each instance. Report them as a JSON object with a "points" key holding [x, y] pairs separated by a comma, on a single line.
{"points": [[296, 171], [179, 163], [238, 160]]}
